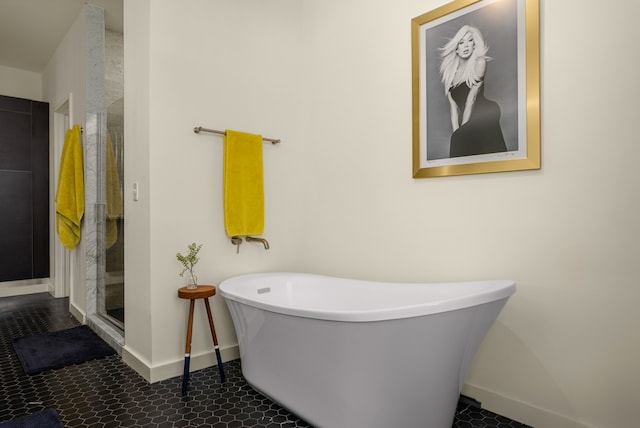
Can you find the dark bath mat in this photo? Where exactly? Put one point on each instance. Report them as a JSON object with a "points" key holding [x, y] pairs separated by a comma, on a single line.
{"points": [[57, 349], [47, 418]]}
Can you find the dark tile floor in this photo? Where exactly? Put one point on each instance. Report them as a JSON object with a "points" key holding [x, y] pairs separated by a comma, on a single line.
{"points": [[108, 393]]}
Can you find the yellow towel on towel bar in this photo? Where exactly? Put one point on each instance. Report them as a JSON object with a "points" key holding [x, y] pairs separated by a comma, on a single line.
{"points": [[243, 184], [70, 192]]}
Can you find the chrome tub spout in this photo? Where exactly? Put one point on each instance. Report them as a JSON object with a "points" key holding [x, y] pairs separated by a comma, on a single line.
{"points": [[253, 239]]}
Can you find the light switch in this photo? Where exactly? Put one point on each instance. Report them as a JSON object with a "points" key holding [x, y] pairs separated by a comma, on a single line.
{"points": [[135, 191]]}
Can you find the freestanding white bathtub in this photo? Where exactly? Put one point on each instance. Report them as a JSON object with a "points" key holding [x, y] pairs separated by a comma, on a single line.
{"points": [[344, 353]]}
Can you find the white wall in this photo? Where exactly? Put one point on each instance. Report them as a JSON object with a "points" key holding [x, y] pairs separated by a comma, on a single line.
{"points": [[20, 83], [64, 74], [333, 80], [65, 71], [138, 289], [212, 72]]}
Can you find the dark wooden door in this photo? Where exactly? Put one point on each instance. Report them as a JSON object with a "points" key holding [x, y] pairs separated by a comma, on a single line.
{"points": [[24, 189]]}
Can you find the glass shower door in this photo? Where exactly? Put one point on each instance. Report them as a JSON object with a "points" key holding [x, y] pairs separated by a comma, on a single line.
{"points": [[113, 308]]}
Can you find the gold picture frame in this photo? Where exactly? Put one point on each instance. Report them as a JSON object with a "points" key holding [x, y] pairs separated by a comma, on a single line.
{"points": [[476, 88]]}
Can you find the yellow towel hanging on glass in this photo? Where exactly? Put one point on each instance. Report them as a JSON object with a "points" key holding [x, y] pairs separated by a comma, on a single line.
{"points": [[243, 184], [115, 205], [70, 192]]}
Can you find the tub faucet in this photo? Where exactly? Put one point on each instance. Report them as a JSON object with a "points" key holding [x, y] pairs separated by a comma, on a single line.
{"points": [[264, 241]]}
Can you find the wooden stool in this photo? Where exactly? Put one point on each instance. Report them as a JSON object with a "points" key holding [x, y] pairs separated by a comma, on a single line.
{"points": [[200, 292]]}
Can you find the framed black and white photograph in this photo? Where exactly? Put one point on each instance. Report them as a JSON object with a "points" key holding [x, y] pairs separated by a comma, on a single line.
{"points": [[476, 88]]}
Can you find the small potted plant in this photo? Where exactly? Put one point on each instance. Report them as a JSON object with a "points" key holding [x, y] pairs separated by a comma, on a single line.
{"points": [[188, 262]]}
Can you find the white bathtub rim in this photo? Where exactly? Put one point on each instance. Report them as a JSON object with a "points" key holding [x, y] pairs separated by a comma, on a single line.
{"points": [[494, 290]]}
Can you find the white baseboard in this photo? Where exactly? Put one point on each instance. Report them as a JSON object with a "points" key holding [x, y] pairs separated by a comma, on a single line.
{"points": [[175, 368], [77, 313], [519, 411], [22, 287], [136, 362]]}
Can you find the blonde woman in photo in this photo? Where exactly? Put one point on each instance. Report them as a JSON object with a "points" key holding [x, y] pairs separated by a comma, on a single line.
{"points": [[475, 120]]}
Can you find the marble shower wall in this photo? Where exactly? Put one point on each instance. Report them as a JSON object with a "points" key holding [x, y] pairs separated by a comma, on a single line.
{"points": [[94, 149]]}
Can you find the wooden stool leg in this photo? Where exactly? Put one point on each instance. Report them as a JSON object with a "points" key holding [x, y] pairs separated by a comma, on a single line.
{"points": [[215, 340], [187, 349]]}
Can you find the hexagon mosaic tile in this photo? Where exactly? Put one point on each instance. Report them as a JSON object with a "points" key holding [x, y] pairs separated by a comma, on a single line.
{"points": [[108, 393]]}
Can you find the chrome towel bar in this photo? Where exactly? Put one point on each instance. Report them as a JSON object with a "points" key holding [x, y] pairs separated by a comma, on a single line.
{"points": [[199, 129]]}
